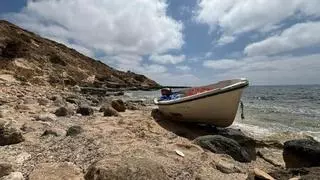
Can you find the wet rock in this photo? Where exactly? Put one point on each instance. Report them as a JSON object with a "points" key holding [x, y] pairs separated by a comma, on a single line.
{"points": [[54, 132], [222, 145], [245, 142], [118, 105], [109, 111], [74, 130], [5, 169], [64, 111], [259, 174], [46, 117], [53, 171], [13, 176], [85, 110], [301, 153], [9, 135], [127, 168], [43, 101]]}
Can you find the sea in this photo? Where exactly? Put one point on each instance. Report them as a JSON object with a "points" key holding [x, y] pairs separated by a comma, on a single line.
{"points": [[271, 109]]}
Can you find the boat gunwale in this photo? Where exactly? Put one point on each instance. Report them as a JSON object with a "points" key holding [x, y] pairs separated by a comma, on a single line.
{"points": [[239, 85]]}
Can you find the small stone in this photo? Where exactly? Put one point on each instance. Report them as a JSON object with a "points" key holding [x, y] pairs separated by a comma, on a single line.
{"points": [[46, 117], [110, 112], [63, 111], [85, 110], [118, 105], [74, 130], [227, 166], [43, 101], [5, 169], [72, 100], [13, 176], [22, 107], [54, 131], [9, 135]]}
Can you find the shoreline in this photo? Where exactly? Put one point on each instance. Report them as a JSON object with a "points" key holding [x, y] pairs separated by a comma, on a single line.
{"points": [[111, 142]]}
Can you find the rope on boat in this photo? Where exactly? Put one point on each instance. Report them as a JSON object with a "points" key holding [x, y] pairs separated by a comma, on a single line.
{"points": [[242, 111]]}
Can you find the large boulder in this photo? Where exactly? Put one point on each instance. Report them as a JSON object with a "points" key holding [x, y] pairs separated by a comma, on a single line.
{"points": [[118, 105], [222, 145], [9, 135], [53, 171], [85, 110], [301, 153], [126, 168]]}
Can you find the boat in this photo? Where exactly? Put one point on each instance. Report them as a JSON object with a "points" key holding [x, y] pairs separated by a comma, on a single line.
{"points": [[214, 104]]}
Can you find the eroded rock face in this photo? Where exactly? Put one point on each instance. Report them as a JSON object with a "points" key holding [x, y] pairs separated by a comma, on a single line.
{"points": [[54, 171], [127, 168], [9, 135], [301, 153], [118, 105], [222, 145]]}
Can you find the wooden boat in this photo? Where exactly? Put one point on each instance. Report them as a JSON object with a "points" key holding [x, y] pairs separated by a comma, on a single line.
{"points": [[214, 104]]}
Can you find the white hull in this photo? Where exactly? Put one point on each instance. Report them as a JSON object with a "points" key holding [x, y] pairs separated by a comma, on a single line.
{"points": [[217, 107]]}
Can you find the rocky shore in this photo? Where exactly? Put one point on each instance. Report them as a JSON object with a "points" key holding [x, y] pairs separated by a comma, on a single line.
{"points": [[61, 133]]}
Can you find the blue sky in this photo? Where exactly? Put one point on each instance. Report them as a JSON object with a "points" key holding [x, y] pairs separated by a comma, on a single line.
{"points": [[185, 42]]}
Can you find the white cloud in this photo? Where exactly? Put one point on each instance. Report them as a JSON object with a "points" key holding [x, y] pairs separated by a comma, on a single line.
{"points": [[167, 58], [239, 16], [298, 36], [269, 70], [114, 27], [226, 40], [183, 68]]}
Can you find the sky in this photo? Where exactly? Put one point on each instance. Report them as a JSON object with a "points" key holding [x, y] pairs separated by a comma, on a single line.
{"points": [[185, 42]]}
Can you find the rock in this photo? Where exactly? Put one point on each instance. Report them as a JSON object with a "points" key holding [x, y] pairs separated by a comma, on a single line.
{"points": [[118, 105], [54, 131], [22, 107], [104, 107], [301, 153], [126, 168], [131, 106], [74, 130], [58, 101], [48, 117], [63, 111], [227, 166], [72, 100], [110, 112], [53, 171], [13, 176], [76, 88], [85, 110], [222, 145], [259, 174], [43, 101], [298, 173], [5, 169], [247, 143], [273, 156], [29, 100], [2, 114], [9, 135]]}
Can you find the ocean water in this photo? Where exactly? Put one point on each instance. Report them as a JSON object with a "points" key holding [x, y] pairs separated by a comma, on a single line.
{"points": [[271, 109]]}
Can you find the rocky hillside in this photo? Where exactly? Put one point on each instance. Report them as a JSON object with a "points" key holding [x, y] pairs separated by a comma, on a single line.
{"points": [[25, 56]]}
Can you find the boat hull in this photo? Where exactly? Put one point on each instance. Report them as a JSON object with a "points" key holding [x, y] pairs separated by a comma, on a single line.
{"points": [[216, 109]]}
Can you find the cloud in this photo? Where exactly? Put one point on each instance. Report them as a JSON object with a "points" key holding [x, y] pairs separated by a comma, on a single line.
{"points": [[114, 27], [269, 70], [298, 36], [235, 17], [226, 40], [183, 68], [167, 58]]}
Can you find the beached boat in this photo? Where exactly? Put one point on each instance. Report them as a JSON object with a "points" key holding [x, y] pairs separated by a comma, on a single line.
{"points": [[214, 104]]}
